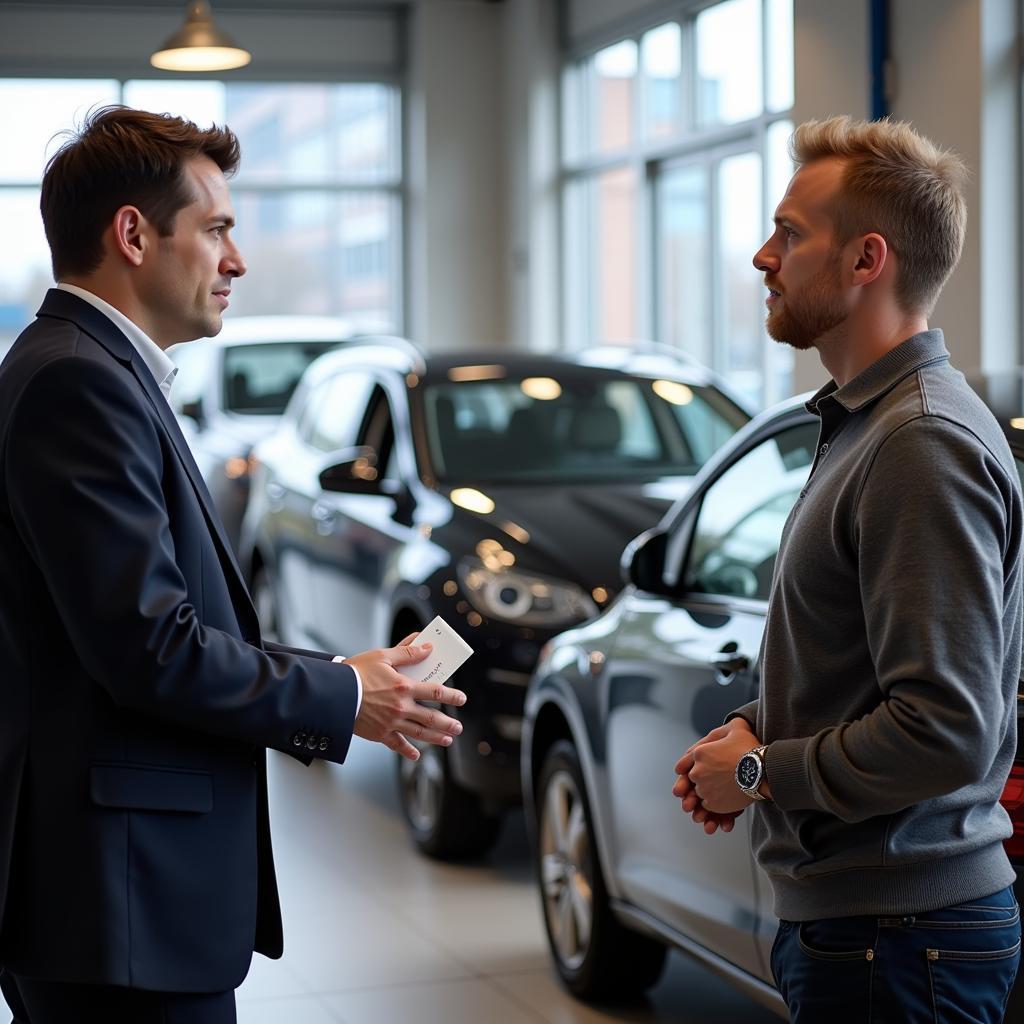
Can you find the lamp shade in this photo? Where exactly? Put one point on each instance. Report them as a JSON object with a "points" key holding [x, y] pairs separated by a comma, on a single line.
{"points": [[199, 45]]}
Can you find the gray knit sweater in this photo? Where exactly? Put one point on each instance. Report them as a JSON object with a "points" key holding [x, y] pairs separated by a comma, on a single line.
{"points": [[892, 651]]}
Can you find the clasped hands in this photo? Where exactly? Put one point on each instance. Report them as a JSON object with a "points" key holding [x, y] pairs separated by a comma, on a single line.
{"points": [[391, 711], [706, 785]]}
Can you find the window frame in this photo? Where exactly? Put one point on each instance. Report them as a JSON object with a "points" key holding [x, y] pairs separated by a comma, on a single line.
{"points": [[649, 159], [393, 186]]}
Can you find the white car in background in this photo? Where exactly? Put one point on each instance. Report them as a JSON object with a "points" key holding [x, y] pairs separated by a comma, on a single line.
{"points": [[230, 391]]}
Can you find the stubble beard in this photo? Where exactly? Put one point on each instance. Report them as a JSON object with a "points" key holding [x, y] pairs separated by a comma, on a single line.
{"points": [[807, 316]]}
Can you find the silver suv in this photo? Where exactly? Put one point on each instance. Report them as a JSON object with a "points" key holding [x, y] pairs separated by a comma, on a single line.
{"points": [[623, 873]]}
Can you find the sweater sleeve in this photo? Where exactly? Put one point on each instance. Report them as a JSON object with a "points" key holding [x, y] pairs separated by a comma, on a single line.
{"points": [[748, 713], [933, 530]]}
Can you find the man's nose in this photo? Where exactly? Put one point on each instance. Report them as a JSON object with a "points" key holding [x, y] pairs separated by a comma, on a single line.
{"points": [[234, 263], [765, 260]]}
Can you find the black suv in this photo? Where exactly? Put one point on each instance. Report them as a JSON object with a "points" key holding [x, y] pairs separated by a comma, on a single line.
{"points": [[495, 490]]}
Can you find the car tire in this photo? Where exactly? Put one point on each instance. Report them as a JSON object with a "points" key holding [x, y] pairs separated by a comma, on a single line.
{"points": [[265, 601], [445, 821], [597, 957]]}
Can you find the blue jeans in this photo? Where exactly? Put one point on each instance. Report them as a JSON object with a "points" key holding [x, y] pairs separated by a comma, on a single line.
{"points": [[957, 964]]}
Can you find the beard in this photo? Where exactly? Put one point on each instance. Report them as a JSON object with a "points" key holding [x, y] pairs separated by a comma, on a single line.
{"points": [[810, 313]]}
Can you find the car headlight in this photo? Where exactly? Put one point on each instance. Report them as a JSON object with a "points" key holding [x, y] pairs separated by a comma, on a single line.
{"points": [[523, 598]]}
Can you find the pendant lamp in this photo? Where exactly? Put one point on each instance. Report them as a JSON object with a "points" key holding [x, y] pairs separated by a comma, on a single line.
{"points": [[199, 45]]}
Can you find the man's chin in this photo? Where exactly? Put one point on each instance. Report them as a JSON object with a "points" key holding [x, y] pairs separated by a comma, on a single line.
{"points": [[212, 327], [784, 336]]}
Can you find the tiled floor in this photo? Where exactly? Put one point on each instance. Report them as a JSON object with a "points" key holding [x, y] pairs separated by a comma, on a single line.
{"points": [[376, 934]]}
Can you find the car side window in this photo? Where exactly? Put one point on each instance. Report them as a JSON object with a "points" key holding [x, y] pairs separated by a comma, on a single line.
{"points": [[378, 432], [340, 411], [739, 527]]}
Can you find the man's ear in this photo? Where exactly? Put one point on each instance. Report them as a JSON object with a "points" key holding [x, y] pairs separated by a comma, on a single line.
{"points": [[130, 230], [871, 255]]}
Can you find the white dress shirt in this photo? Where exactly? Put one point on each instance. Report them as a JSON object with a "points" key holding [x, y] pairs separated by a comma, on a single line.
{"points": [[164, 371], [156, 359]]}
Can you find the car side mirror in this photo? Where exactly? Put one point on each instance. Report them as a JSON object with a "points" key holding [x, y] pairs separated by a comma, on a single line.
{"points": [[643, 561], [356, 473], [194, 411]]}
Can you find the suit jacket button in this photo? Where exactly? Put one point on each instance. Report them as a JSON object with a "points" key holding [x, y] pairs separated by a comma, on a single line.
{"points": [[311, 743], [299, 738], [324, 742]]}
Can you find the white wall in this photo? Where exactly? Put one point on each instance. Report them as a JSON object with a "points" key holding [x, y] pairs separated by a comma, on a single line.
{"points": [[957, 80], [530, 152], [457, 182]]}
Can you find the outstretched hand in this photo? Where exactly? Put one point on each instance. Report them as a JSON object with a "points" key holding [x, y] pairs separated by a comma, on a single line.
{"points": [[390, 712]]}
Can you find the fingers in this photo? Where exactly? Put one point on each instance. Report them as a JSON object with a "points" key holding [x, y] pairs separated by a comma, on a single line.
{"points": [[430, 726], [439, 694], [408, 640], [685, 763], [400, 745], [406, 653]]}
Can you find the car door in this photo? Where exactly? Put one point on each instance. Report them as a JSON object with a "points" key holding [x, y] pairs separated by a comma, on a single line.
{"points": [[359, 535], [679, 666], [302, 521]]}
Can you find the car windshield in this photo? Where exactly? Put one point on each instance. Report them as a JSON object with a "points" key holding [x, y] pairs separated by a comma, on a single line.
{"points": [[259, 379], [580, 426]]}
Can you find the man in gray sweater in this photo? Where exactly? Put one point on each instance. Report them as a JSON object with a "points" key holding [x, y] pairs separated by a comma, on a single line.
{"points": [[886, 725]]}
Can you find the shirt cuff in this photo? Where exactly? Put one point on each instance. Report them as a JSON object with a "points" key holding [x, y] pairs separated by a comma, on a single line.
{"points": [[359, 683]]}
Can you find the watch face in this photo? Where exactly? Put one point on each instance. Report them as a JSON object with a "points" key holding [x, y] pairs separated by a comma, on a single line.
{"points": [[748, 771]]}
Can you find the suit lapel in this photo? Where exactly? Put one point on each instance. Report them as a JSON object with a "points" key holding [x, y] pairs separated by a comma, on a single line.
{"points": [[66, 306], [170, 423]]}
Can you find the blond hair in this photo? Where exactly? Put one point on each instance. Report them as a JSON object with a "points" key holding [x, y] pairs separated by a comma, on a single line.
{"points": [[901, 186]]}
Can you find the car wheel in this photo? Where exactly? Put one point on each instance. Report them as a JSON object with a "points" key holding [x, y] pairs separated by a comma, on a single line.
{"points": [[596, 955], [446, 821], [265, 602]]}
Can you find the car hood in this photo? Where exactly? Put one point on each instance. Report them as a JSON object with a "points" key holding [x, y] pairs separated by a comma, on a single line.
{"points": [[577, 532]]}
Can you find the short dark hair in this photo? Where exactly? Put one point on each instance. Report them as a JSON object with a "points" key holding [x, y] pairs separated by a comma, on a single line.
{"points": [[122, 156]]}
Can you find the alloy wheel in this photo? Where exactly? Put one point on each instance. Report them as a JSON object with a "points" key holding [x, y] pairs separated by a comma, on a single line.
{"points": [[423, 787], [565, 861]]}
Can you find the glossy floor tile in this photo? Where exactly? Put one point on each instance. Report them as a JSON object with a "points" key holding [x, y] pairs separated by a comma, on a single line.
{"points": [[376, 934]]}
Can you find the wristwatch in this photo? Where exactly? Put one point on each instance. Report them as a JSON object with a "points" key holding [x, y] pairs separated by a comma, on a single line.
{"points": [[750, 772]]}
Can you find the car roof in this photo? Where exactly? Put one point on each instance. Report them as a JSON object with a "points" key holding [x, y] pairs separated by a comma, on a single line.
{"points": [[405, 357], [260, 330]]}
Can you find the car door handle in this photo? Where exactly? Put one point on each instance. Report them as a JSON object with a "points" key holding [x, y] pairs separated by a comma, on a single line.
{"points": [[728, 663], [323, 514]]}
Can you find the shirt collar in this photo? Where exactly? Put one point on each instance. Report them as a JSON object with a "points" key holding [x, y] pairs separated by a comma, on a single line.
{"points": [[908, 357], [157, 361]]}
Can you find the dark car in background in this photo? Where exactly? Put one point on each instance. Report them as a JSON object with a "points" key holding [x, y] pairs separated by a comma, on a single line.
{"points": [[494, 490], [623, 873], [230, 390]]}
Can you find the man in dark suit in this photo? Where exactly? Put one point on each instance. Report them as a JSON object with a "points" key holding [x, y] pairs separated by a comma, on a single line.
{"points": [[137, 697]]}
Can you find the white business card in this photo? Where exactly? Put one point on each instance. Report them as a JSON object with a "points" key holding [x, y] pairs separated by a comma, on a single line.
{"points": [[449, 652]]}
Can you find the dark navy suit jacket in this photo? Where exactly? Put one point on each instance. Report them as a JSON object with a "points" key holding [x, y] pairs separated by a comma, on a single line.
{"points": [[136, 696]]}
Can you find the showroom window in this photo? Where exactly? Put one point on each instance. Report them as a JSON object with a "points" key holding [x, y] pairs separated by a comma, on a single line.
{"points": [[674, 156], [318, 197]]}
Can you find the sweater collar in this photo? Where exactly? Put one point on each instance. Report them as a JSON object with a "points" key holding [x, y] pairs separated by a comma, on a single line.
{"points": [[881, 376]]}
